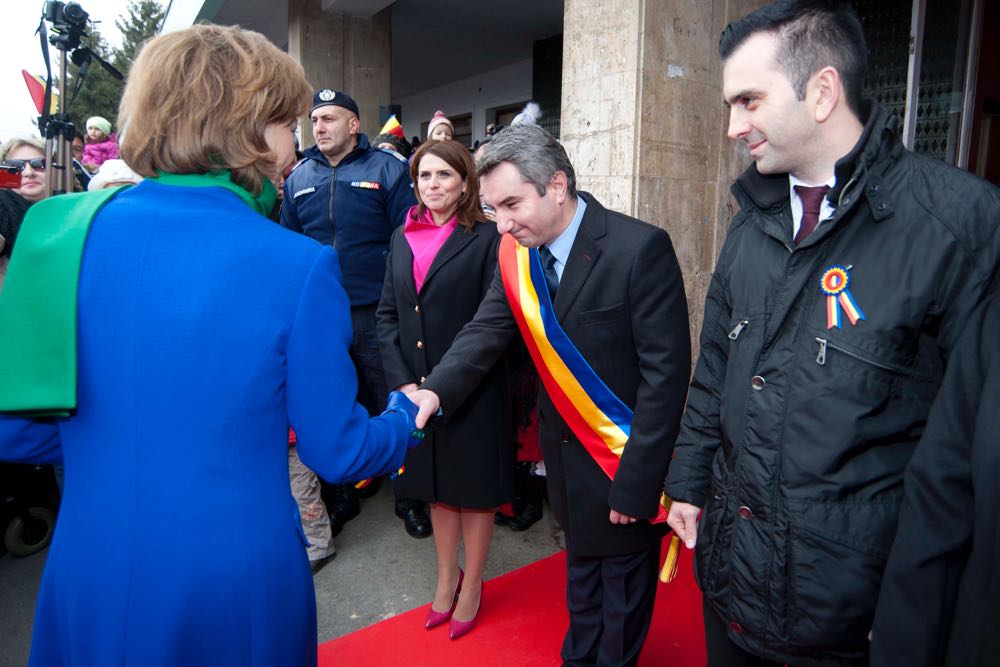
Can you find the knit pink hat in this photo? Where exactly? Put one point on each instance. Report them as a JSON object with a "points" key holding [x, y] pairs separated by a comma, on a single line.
{"points": [[439, 118]]}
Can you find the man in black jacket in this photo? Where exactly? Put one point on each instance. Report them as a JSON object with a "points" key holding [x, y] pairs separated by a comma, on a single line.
{"points": [[840, 291], [619, 297], [940, 599]]}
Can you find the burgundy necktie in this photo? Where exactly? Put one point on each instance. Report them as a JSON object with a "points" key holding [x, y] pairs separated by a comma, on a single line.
{"points": [[812, 201]]}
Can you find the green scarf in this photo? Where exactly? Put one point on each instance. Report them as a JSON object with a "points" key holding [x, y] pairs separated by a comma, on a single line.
{"points": [[38, 304]]}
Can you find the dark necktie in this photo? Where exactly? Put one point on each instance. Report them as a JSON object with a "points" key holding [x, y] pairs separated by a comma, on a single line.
{"points": [[812, 201], [549, 268]]}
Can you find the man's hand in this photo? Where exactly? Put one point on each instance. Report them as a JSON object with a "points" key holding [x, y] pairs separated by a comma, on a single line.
{"points": [[408, 388], [428, 402], [618, 517], [683, 518]]}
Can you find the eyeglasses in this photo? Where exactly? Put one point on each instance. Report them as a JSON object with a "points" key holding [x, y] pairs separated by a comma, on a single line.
{"points": [[38, 164]]}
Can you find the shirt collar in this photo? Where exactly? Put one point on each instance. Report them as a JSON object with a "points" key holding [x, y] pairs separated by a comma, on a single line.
{"points": [[561, 247], [792, 182]]}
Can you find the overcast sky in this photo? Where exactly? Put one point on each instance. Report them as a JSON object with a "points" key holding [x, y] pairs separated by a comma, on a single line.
{"points": [[22, 51]]}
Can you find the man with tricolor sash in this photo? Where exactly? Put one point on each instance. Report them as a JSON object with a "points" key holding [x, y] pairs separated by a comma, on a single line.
{"points": [[599, 301]]}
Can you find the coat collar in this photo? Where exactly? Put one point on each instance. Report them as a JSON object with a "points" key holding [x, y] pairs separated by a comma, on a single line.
{"points": [[875, 150], [582, 258], [453, 245]]}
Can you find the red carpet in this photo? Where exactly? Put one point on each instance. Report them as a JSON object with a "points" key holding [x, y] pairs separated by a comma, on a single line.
{"points": [[522, 624]]}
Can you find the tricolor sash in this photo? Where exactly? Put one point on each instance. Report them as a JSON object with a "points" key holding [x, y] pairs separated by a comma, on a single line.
{"points": [[598, 418]]}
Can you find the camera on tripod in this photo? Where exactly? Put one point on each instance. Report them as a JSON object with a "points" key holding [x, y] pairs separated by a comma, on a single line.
{"points": [[68, 20]]}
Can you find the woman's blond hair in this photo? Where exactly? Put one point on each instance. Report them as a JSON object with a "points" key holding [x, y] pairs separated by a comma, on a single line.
{"points": [[199, 100], [14, 143]]}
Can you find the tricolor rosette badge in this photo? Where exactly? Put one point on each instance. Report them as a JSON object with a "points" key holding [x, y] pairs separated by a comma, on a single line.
{"points": [[834, 284]]}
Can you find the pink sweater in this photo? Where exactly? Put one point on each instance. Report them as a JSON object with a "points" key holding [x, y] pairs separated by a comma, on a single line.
{"points": [[425, 239], [97, 153]]}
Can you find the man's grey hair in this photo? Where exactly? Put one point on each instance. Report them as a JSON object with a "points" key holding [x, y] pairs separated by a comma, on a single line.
{"points": [[533, 151]]}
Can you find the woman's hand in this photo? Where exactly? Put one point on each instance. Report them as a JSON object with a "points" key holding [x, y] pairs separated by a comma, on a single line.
{"points": [[408, 388]]}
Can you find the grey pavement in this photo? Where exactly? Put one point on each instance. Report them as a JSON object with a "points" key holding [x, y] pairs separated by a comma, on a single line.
{"points": [[379, 572]]}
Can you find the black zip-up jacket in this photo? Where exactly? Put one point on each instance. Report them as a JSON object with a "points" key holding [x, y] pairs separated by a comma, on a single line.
{"points": [[353, 206], [796, 434], [940, 599]]}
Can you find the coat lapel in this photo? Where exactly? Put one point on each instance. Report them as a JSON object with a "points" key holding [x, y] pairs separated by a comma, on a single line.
{"points": [[583, 256], [457, 240], [403, 265]]}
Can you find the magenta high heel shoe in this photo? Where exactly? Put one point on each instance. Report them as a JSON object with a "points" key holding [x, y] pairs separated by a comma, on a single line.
{"points": [[436, 618], [458, 628]]}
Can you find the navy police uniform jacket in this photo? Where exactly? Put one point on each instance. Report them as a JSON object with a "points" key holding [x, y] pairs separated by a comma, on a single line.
{"points": [[353, 206]]}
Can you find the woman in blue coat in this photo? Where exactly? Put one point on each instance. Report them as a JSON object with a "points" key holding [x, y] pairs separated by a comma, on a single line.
{"points": [[202, 332]]}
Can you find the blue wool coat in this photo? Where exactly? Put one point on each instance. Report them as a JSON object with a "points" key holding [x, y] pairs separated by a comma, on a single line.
{"points": [[204, 332]]}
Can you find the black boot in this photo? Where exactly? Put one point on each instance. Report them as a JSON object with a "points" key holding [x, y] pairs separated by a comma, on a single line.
{"points": [[414, 517], [341, 502], [528, 510]]}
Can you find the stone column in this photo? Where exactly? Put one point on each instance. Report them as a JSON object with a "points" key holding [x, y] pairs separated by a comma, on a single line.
{"points": [[644, 123], [345, 53]]}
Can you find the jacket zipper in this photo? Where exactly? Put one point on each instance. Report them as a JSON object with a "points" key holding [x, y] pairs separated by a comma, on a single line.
{"points": [[735, 333], [821, 357], [333, 183]]}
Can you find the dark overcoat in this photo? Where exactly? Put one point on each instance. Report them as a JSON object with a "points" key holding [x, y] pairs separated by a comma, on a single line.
{"points": [[469, 461], [621, 301]]}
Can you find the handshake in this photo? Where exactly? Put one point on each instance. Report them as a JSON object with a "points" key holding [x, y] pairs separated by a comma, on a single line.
{"points": [[417, 406]]}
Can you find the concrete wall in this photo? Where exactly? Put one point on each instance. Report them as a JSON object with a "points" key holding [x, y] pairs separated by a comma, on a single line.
{"points": [[645, 124], [496, 88], [342, 52]]}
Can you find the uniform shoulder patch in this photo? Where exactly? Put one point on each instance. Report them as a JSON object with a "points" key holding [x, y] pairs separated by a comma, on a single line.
{"points": [[392, 153]]}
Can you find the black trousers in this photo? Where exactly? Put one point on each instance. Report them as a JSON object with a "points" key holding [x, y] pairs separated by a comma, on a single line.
{"points": [[721, 651], [610, 601]]}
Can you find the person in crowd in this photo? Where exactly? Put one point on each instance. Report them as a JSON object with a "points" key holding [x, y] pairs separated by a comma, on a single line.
{"points": [[83, 176], [171, 376], [441, 265], [348, 194], [101, 145], [440, 128], [392, 138], [306, 486], [27, 155], [940, 597], [76, 147], [839, 294], [112, 174], [603, 293]]}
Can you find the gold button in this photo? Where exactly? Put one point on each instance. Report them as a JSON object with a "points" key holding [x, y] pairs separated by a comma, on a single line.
{"points": [[420, 344]]}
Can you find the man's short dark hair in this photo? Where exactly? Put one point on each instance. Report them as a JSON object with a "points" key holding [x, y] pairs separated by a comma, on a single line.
{"points": [[813, 34]]}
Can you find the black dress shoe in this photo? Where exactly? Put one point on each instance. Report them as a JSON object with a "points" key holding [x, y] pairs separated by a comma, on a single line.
{"points": [[341, 504], [529, 516], [500, 519], [415, 519], [318, 565]]}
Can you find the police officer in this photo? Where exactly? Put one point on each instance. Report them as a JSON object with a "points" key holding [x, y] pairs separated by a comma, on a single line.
{"points": [[351, 195]]}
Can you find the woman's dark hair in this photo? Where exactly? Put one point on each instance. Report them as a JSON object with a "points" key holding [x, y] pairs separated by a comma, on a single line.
{"points": [[457, 157]]}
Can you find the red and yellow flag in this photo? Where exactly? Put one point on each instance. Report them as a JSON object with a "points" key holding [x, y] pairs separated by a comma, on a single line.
{"points": [[393, 127]]}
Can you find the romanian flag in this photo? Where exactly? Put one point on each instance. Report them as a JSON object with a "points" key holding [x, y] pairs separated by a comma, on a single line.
{"points": [[393, 127], [36, 88], [597, 417]]}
